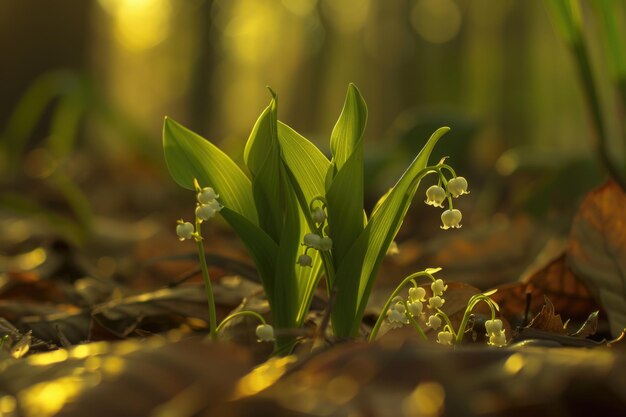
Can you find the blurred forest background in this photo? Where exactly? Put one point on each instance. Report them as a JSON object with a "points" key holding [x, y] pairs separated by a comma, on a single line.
{"points": [[85, 85]]}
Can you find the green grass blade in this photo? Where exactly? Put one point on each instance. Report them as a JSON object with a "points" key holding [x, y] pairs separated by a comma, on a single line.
{"points": [[358, 270], [190, 156]]}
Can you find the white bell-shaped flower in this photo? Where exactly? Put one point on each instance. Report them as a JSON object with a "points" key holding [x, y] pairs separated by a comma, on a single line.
{"points": [[312, 240], [434, 322], [396, 318], [445, 337], [206, 195], [435, 302], [435, 195], [415, 308], [265, 333], [493, 326], [205, 211], [417, 294], [184, 230], [438, 287], [451, 219], [457, 186], [497, 339]]}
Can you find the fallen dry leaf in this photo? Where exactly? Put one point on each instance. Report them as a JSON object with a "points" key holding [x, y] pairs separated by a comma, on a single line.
{"points": [[597, 250]]}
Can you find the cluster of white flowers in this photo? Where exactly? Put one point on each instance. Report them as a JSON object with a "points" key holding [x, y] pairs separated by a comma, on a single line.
{"points": [[436, 195], [401, 310], [495, 332], [317, 240], [206, 208]]}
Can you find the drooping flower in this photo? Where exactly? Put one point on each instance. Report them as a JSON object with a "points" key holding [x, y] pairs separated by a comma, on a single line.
{"points": [[184, 230], [434, 322], [312, 240], [438, 287], [497, 339], [415, 308], [457, 186], [318, 215], [265, 333], [435, 195], [205, 211], [445, 337], [396, 318], [206, 195], [435, 302], [451, 219], [493, 326], [417, 294]]}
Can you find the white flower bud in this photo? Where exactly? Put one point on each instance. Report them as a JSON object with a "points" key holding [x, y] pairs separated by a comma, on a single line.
{"points": [[435, 302], [312, 240], [435, 195], [318, 215], [400, 308], [206, 195], [305, 260], [184, 230], [457, 186], [265, 333], [438, 287], [451, 219], [444, 338]]}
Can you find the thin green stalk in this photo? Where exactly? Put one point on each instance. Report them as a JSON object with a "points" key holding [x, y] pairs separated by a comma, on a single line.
{"points": [[207, 284], [470, 306], [238, 314]]}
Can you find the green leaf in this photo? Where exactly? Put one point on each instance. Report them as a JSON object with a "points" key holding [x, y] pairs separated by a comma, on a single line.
{"points": [[190, 156], [345, 206], [348, 131], [305, 167], [345, 194], [355, 275], [262, 156], [263, 250]]}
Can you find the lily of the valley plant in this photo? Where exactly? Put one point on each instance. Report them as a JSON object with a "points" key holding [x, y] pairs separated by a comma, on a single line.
{"points": [[294, 197]]}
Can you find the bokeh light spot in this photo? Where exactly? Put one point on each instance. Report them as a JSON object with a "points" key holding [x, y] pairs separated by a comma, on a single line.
{"points": [[437, 21]]}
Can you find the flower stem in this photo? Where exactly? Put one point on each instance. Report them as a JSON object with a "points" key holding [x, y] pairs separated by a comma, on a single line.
{"points": [[207, 284], [238, 314]]}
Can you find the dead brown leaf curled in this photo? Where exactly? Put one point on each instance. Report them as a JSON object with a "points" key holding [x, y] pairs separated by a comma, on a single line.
{"points": [[597, 250]]}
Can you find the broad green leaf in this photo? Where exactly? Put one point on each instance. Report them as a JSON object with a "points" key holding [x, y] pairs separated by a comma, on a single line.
{"points": [[262, 156], [304, 161], [348, 130], [263, 250], [305, 167], [356, 273], [345, 194], [345, 205], [190, 156], [286, 288]]}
